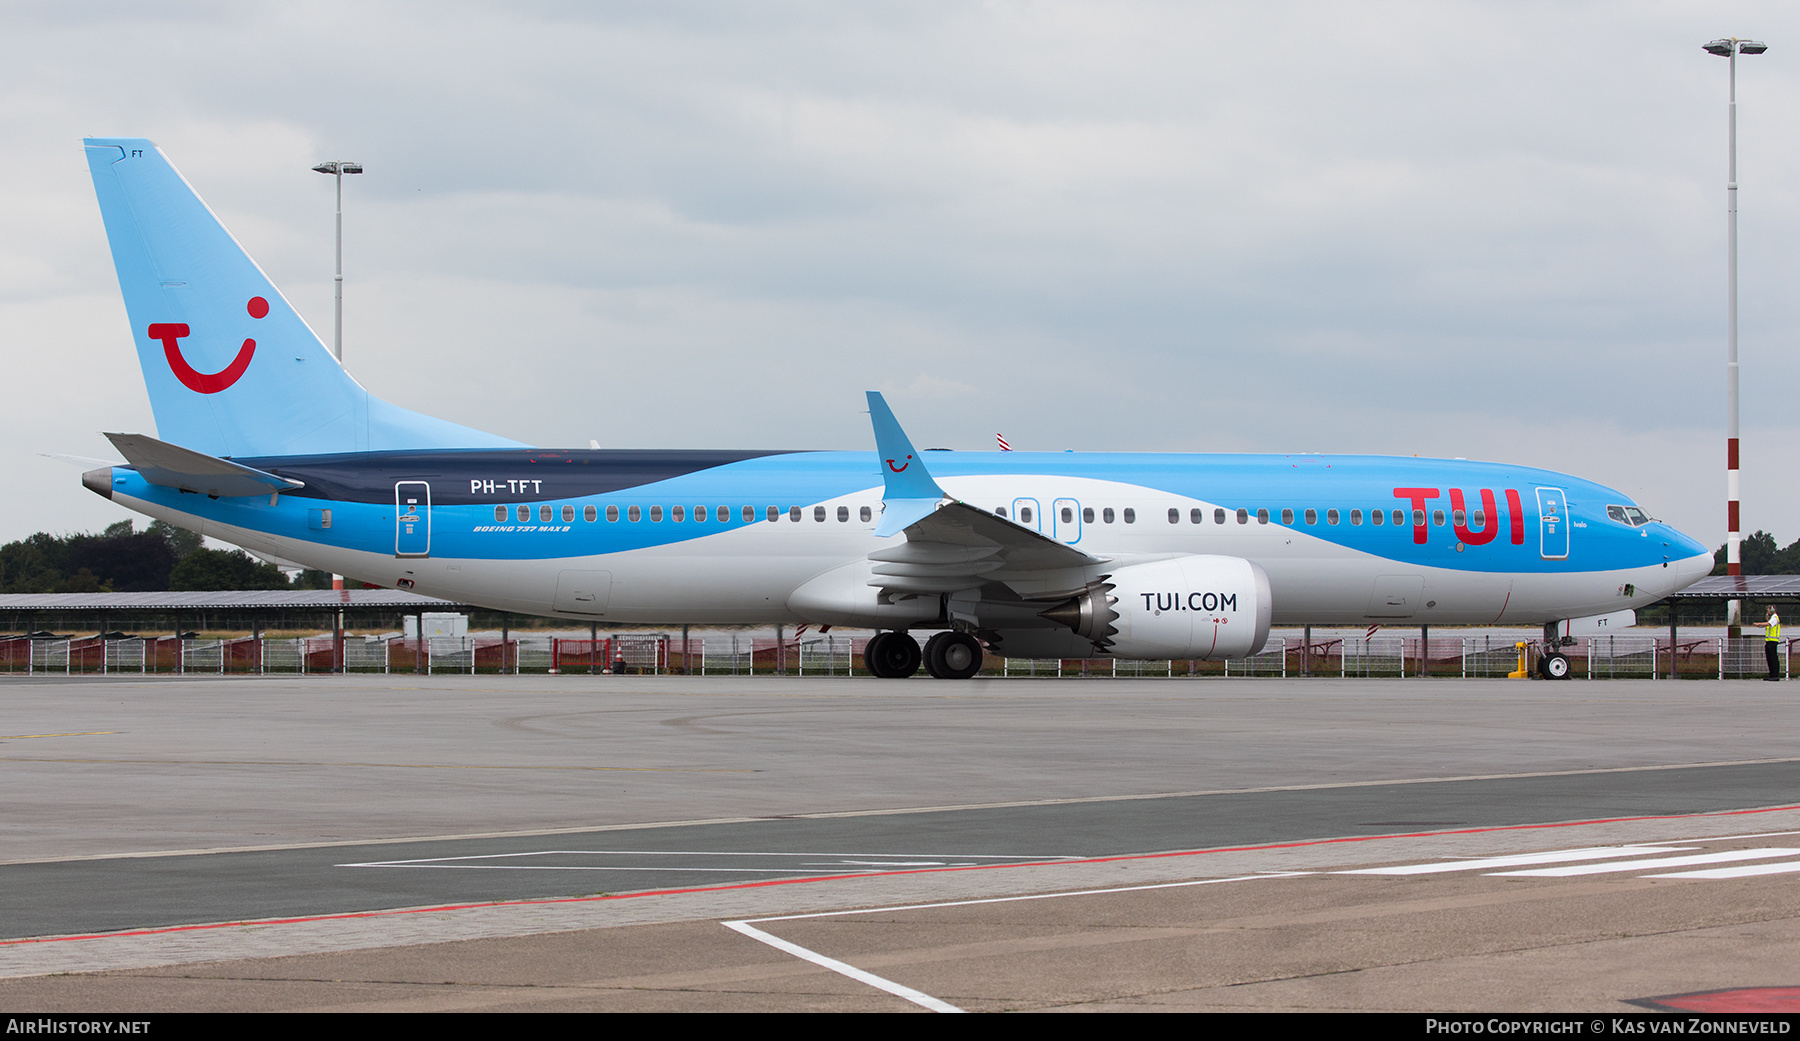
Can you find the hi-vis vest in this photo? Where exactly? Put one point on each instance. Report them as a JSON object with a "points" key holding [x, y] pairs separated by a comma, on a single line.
{"points": [[1774, 629]]}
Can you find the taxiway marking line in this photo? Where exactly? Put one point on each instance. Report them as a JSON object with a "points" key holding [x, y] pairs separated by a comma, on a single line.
{"points": [[1741, 871], [899, 990], [1551, 857], [78, 733], [1568, 871], [380, 766], [746, 927]]}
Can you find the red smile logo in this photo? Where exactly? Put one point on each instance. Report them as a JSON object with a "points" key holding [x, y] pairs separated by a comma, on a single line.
{"points": [[170, 333]]}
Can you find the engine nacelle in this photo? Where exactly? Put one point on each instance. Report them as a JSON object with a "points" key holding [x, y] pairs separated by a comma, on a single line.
{"points": [[1187, 607]]}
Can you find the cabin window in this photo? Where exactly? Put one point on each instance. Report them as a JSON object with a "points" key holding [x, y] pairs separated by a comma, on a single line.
{"points": [[1024, 515], [1087, 514], [1355, 517], [1437, 517], [1218, 516], [866, 514], [1130, 515], [676, 513], [544, 515], [819, 514], [568, 514], [612, 515], [1331, 516], [1377, 516], [843, 514], [1287, 516], [793, 513], [1262, 516], [1461, 518], [1243, 516], [700, 515], [500, 513], [1418, 518], [635, 513], [1174, 515], [524, 514], [589, 514], [999, 511], [1480, 518], [1399, 517], [655, 514], [1312, 516], [1196, 516], [1068, 514], [1107, 515]]}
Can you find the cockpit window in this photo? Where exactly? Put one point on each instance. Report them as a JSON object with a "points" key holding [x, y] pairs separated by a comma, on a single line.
{"points": [[1630, 515]]}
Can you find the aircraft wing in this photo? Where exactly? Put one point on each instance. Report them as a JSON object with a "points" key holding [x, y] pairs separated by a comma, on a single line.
{"points": [[950, 545], [959, 546], [175, 467]]}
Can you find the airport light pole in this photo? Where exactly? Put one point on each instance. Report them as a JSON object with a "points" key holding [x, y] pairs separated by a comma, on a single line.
{"points": [[337, 168], [1730, 49]]}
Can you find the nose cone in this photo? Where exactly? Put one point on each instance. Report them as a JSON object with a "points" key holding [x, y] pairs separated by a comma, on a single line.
{"points": [[98, 481], [1689, 561]]}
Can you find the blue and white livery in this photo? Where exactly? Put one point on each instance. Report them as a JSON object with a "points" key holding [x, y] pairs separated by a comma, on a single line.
{"points": [[264, 441]]}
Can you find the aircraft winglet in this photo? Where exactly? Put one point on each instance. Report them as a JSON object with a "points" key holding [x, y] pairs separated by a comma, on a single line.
{"points": [[911, 493]]}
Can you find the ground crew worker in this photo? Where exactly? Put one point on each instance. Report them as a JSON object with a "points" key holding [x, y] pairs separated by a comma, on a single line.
{"points": [[1772, 640]]}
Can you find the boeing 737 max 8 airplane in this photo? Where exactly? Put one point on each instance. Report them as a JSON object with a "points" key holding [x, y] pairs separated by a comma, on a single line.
{"points": [[264, 441]]}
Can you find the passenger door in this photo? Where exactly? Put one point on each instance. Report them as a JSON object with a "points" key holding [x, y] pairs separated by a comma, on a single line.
{"points": [[412, 519], [1553, 524]]}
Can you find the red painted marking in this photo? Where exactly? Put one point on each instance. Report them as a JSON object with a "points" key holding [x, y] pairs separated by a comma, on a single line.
{"points": [[1518, 516], [1491, 522], [1731, 453], [170, 333], [731, 887], [1418, 497], [1731, 515], [902, 467], [258, 307], [1743, 999]]}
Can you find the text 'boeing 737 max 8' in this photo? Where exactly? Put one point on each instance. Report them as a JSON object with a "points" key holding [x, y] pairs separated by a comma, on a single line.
{"points": [[264, 441]]}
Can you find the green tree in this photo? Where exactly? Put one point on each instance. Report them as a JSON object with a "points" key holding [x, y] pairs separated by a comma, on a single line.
{"points": [[181, 540], [213, 569]]}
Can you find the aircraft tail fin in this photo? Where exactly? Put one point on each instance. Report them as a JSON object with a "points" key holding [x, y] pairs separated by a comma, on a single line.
{"points": [[231, 368]]}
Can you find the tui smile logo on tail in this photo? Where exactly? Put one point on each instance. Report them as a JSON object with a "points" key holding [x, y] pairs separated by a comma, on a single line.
{"points": [[170, 333]]}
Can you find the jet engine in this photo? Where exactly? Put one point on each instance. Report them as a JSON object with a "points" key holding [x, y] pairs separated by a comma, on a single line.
{"points": [[1185, 607]]}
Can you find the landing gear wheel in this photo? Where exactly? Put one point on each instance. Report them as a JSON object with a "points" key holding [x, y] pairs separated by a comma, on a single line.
{"points": [[953, 656], [892, 656], [1554, 666]]}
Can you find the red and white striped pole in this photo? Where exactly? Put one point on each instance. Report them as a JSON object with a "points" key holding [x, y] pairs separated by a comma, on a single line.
{"points": [[1731, 48]]}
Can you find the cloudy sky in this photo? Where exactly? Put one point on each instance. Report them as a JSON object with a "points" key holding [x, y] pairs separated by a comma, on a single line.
{"points": [[1492, 230]]}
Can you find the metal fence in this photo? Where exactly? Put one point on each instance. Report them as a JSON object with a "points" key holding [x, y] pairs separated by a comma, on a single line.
{"points": [[1613, 656]]}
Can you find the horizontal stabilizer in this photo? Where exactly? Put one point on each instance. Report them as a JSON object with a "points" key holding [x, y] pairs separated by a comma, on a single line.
{"points": [[175, 467]]}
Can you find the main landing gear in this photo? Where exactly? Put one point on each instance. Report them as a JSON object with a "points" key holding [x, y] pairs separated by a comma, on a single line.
{"points": [[892, 656], [1554, 666], [953, 656], [948, 656]]}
